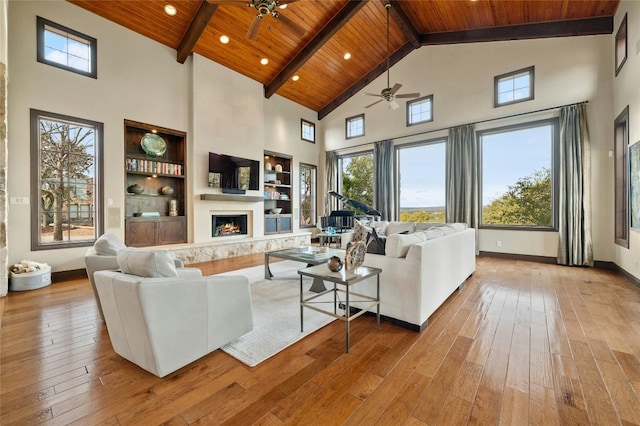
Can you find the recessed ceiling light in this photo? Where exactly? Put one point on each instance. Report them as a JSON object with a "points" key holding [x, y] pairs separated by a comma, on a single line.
{"points": [[224, 39], [295, 77], [264, 61], [170, 9], [347, 56]]}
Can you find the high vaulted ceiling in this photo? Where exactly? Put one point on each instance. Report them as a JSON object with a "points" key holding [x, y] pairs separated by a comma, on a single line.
{"points": [[322, 31]]}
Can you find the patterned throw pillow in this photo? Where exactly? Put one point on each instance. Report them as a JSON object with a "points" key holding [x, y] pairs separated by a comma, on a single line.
{"points": [[359, 231]]}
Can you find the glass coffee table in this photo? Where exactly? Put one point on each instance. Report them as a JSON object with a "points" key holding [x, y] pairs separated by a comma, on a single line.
{"points": [[310, 255]]}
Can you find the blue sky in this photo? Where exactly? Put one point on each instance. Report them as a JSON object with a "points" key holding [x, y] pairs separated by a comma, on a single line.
{"points": [[507, 157]]}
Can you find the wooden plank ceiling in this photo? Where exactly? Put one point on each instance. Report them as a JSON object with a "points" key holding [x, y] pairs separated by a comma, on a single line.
{"points": [[313, 46]]}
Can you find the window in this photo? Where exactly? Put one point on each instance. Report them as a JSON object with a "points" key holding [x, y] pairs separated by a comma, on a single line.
{"points": [[67, 49], [420, 110], [422, 181], [356, 178], [621, 44], [66, 164], [518, 175], [308, 187], [355, 126], [621, 143], [514, 87], [307, 131]]}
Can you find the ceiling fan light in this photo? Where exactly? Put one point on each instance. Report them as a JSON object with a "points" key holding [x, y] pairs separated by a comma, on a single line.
{"points": [[170, 9], [283, 6], [224, 39]]}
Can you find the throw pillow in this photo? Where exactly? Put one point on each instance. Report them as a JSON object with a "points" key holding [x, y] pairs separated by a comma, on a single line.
{"points": [[108, 245], [147, 263], [397, 227], [376, 243], [359, 231]]}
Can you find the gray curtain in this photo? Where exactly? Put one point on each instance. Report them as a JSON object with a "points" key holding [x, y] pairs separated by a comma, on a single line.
{"points": [[331, 169], [574, 205], [384, 193], [463, 178]]}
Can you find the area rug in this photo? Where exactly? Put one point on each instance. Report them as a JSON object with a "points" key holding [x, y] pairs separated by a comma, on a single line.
{"points": [[276, 313]]}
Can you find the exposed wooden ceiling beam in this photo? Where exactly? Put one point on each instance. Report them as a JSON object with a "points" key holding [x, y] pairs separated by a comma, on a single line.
{"points": [[380, 69], [579, 27], [401, 18], [197, 26], [325, 34]]}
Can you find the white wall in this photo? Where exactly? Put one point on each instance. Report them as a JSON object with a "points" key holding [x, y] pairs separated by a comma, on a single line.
{"points": [[141, 80], [460, 77], [626, 91]]}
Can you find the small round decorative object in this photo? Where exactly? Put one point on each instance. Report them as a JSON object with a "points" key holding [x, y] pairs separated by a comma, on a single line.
{"points": [[153, 144], [279, 168], [135, 189], [166, 190], [335, 264]]}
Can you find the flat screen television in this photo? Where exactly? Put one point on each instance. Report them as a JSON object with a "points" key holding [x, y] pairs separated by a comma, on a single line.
{"points": [[226, 171]]}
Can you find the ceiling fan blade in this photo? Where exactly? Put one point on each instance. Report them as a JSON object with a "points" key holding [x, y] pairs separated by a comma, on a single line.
{"points": [[292, 25], [394, 105], [252, 34], [370, 105], [372, 94], [408, 95], [395, 88]]}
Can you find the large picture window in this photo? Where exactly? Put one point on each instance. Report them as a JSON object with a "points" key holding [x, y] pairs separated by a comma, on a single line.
{"points": [[65, 48], [621, 144], [66, 164], [422, 181], [356, 179], [308, 175], [518, 175]]}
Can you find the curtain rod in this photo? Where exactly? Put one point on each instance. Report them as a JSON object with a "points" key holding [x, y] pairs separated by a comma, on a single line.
{"points": [[476, 122]]}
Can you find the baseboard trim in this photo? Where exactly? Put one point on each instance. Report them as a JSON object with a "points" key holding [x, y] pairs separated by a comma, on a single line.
{"points": [[513, 256], [632, 279]]}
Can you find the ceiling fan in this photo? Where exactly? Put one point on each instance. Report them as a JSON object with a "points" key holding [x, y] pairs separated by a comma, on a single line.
{"points": [[264, 8], [390, 94]]}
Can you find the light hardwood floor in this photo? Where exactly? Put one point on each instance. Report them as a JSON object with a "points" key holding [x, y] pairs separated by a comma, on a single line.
{"points": [[521, 343]]}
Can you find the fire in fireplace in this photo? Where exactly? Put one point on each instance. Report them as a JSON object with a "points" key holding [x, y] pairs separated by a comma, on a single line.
{"points": [[224, 225]]}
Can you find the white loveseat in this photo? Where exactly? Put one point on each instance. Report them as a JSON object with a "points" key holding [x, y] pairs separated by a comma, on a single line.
{"points": [[170, 317], [420, 269]]}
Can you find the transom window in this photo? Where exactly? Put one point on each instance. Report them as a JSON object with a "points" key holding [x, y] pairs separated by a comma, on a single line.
{"points": [[518, 175], [422, 181], [308, 186], [355, 126], [66, 159], [307, 131], [65, 48], [420, 110], [514, 87]]}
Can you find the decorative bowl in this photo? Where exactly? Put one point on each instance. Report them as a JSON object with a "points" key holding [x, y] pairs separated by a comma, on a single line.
{"points": [[153, 144], [135, 189], [335, 264], [277, 210], [166, 190]]}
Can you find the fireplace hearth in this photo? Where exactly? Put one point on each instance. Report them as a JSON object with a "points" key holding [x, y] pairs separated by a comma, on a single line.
{"points": [[226, 225]]}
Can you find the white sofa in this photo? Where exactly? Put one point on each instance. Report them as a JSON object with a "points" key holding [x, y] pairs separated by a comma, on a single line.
{"points": [[420, 269], [162, 324]]}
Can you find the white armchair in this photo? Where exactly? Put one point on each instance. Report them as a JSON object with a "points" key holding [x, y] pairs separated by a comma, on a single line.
{"points": [[102, 256], [163, 324]]}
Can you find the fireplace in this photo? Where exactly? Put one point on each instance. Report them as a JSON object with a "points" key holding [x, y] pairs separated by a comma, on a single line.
{"points": [[228, 224]]}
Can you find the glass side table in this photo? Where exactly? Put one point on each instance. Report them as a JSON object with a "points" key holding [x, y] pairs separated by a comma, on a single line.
{"points": [[341, 278]]}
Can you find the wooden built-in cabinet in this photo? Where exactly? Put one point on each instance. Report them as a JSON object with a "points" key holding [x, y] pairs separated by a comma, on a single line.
{"points": [[161, 177], [278, 192]]}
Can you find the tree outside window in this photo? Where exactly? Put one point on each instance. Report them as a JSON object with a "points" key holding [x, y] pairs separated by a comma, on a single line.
{"points": [[357, 180], [66, 153], [308, 214]]}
